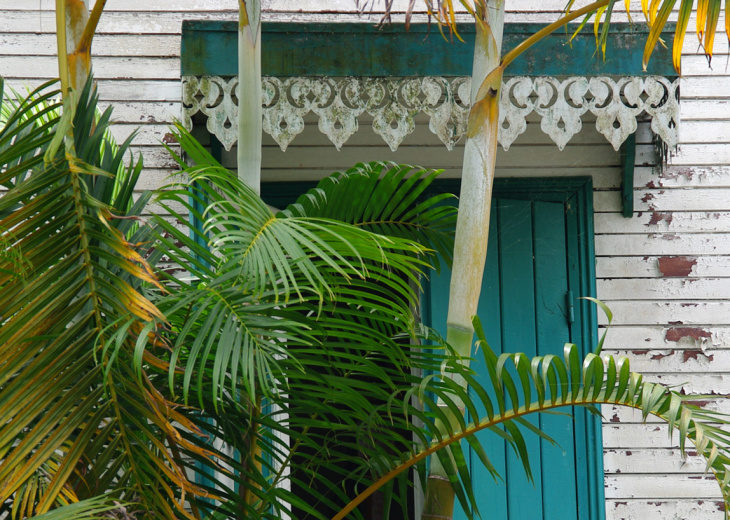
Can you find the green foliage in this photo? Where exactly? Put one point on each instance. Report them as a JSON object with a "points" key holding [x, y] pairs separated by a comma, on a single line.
{"points": [[92, 508], [521, 386], [75, 425], [385, 199], [293, 332]]}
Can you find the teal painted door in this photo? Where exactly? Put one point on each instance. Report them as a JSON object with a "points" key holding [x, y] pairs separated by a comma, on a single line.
{"points": [[531, 275]]}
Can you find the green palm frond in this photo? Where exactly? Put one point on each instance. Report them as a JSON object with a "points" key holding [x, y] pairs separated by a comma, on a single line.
{"points": [[342, 420], [75, 425], [521, 386], [266, 281], [387, 199], [292, 312], [96, 508]]}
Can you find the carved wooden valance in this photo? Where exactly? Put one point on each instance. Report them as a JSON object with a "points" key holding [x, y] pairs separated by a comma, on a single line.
{"points": [[393, 103]]}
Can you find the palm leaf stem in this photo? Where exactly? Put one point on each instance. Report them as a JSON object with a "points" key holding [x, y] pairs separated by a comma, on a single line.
{"points": [[252, 459], [510, 415], [542, 33], [79, 205]]}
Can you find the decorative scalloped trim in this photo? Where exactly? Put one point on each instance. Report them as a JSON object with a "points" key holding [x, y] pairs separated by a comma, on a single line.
{"points": [[394, 102]]}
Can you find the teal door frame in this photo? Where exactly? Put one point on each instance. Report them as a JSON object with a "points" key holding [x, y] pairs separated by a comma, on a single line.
{"points": [[576, 193]]}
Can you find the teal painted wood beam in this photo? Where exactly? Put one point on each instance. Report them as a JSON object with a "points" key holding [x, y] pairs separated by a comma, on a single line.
{"points": [[362, 49], [628, 160]]}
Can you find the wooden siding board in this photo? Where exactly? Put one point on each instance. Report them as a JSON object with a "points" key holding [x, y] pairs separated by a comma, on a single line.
{"points": [[671, 176], [649, 267], [646, 486], [46, 67], [631, 509], [124, 90], [705, 109], [657, 244], [651, 199], [643, 337], [125, 45], [662, 312], [665, 288], [665, 460], [664, 221], [675, 361]]}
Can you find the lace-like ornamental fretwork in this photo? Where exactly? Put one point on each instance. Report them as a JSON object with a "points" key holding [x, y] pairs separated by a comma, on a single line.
{"points": [[393, 104]]}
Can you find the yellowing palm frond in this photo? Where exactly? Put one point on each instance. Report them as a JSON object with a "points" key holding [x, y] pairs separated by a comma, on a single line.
{"points": [[77, 422]]}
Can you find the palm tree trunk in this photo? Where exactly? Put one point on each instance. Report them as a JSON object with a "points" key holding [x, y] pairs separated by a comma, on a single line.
{"points": [[249, 171], [75, 29], [470, 249], [249, 93]]}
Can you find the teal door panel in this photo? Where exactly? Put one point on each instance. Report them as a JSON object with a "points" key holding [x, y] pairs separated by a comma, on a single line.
{"points": [[525, 306]]}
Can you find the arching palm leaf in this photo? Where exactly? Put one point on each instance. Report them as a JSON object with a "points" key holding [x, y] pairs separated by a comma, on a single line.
{"points": [[657, 14], [89, 509], [522, 386], [385, 198]]}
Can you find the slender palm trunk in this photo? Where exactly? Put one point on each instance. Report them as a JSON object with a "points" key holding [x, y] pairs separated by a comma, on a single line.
{"points": [[470, 249], [249, 93], [249, 171], [75, 29]]}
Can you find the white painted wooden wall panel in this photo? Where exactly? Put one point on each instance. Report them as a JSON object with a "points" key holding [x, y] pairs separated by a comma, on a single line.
{"points": [[664, 272]]}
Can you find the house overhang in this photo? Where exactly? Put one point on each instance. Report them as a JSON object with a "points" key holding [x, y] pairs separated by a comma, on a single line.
{"points": [[342, 72], [347, 71]]}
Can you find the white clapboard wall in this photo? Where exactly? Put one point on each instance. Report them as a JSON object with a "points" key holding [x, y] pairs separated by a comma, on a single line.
{"points": [[665, 272]]}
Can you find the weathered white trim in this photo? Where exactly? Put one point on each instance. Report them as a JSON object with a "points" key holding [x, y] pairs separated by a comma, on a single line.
{"points": [[394, 102]]}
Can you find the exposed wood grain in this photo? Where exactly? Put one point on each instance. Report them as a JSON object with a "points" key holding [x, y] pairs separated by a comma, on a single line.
{"points": [[682, 177], [662, 244], [646, 337], [661, 312], [648, 267], [664, 222], [696, 509], [652, 199], [674, 486]]}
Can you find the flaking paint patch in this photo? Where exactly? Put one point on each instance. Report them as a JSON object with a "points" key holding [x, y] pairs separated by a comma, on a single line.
{"points": [[700, 404], [695, 354], [675, 334], [658, 216], [676, 266], [673, 172], [657, 357]]}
